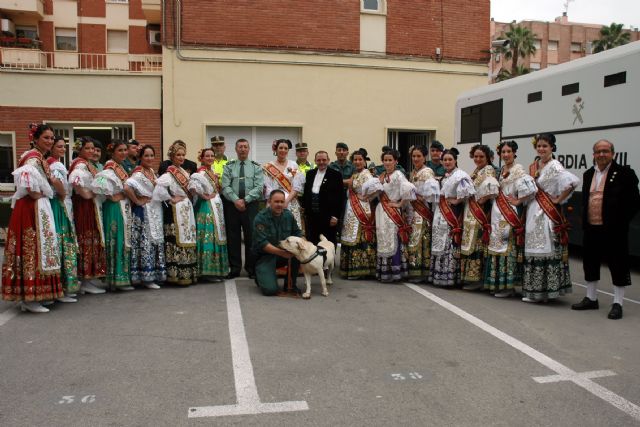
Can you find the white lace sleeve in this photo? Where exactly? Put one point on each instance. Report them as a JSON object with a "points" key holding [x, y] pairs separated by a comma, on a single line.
{"points": [[161, 192], [407, 190], [555, 179], [525, 187], [28, 178], [60, 172], [140, 184], [488, 187], [465, 188], [107, 183], [371, 186], [80, 176], [201, 185], [429, 190]]}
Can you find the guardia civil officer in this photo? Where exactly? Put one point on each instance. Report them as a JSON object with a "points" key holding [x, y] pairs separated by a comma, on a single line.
{"points": [[273, 224], [242, 186]]}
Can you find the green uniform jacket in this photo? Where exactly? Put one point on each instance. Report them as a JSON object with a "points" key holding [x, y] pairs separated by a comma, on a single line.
{"points": [[346, 169], [253, 180], [268, 228], [438, 170]]}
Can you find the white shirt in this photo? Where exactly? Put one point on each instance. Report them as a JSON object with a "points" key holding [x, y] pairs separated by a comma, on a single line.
{"points": [[317, 181], [600, 174]]}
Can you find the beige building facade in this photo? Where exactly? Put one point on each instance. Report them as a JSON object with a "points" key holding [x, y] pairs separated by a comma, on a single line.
{"points": [[319, 99]]}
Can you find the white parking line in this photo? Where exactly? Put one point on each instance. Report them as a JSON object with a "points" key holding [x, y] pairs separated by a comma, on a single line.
{"points": [[607, 293], [581, 379], [245, 382]]}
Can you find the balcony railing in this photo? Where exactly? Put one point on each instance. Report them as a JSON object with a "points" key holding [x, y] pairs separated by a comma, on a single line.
{"points": [[34, 59]]}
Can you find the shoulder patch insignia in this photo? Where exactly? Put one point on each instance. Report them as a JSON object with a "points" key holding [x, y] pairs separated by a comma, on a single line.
{"points": [[260, 227]]}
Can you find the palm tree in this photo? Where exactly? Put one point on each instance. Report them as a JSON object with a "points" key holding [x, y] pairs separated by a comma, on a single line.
{"points": [[521, 44], [505, 74], [610, 37]]}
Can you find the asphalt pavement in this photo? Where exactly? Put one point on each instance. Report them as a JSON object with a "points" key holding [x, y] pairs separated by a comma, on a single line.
{"points": [[369, 354]]}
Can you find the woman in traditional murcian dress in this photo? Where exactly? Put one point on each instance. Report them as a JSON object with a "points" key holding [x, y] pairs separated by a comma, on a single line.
{"points": [[31, 266], [172, 188], [546, 264], [87, 217], [211, 245], [283, 174], [476, 227], [504, 261], [446, 232], [392, 229], [63, 215], [116, 217], [420, 215], [147, 237], [358, 236]]}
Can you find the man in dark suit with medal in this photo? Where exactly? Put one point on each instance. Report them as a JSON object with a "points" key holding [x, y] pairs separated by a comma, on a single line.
{"points": [[610, 199], [323, 200]]}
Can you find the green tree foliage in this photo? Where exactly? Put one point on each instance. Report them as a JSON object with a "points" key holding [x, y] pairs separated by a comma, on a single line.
{"points": [[610, 37], [505, 74], [521, 45]]}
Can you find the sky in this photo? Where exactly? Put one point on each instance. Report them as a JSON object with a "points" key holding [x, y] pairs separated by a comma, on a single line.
{"points": [[626, 12]]}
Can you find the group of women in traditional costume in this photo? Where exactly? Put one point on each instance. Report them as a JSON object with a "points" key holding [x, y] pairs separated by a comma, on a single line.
{"points": [[497, 229], [84, 230]]}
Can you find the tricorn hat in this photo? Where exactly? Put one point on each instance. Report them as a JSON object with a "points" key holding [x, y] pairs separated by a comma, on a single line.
{"points": [[301, 146], [215, 140], [342, 145]]}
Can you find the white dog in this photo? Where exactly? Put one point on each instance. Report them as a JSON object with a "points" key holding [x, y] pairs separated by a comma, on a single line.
{"points": [[312, 260]]}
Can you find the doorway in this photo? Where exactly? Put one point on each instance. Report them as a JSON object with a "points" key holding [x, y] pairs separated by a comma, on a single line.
{"points": [[103, 132], [404, 140]]}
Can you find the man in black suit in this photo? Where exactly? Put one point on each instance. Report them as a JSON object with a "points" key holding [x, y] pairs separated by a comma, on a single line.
{"points": [[323, 200], [610, 199]]}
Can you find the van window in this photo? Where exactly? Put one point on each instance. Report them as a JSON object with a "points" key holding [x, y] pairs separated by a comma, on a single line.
{"points": [[480, 119], [534, 97], [615, 79], [570, 89]]}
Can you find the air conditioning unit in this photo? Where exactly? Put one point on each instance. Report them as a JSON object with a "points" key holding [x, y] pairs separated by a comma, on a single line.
{"points": [[155, 38], [7, 27]]}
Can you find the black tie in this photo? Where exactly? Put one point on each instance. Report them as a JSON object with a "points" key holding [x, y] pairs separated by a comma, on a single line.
{"points": [[241, 183]]}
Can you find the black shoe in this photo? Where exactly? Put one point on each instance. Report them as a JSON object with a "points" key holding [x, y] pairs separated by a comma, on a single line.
{"points": [[586, 304], [233, 275], [616, 311]]}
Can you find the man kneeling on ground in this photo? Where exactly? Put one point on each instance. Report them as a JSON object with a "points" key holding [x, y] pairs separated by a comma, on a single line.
{"points": [[273, 224]]}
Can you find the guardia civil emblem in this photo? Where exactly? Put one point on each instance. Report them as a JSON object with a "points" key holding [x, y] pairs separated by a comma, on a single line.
{"points": [[577, 110]]}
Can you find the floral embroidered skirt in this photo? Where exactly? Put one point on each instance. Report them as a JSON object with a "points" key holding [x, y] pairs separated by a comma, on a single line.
{"points": [[471, 264], [118, 261], [22, 280], [91, 256], [419, 254], [358, 260], [547, 277], [503, 271], [445, 267], [147, 257], [182, 261], [68, 248], [393, 268], [213, 258]]}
